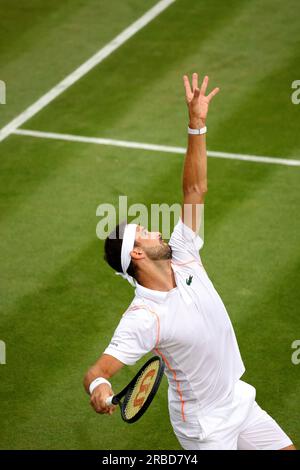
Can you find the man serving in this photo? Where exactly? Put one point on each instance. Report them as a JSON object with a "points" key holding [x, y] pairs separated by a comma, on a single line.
{"points": [[177, 314]]}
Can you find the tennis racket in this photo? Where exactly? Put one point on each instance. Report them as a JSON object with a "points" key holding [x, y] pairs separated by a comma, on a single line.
{"points": [[139, 393]]}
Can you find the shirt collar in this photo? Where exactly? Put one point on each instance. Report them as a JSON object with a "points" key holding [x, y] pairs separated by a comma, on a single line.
{"points": [[161, 296], [156, 295]]}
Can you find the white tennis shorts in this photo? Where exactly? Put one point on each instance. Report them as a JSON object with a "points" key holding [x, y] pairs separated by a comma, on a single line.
{"points": [[238, 423]]}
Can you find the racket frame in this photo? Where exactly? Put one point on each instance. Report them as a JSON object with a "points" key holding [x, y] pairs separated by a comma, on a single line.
{"points": [[116, 399]]}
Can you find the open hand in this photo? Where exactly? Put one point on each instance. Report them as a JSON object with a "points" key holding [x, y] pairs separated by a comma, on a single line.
{"points": [[196, 100]]}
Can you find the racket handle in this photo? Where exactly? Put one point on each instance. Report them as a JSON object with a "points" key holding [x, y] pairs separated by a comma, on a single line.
{"points": [[108, 401]]}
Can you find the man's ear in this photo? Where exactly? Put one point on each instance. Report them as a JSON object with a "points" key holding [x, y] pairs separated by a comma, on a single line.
{"points": [[137, 253]]}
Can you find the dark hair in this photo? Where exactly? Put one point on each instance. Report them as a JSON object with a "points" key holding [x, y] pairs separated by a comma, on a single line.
{"points": [[112, 250]]}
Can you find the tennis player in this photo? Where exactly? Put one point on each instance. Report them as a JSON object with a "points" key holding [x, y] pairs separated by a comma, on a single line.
{"points": [[177, 314]]}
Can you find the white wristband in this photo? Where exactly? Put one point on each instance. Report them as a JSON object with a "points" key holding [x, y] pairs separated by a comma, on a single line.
{"points": [[96, 382], [201, 131]]}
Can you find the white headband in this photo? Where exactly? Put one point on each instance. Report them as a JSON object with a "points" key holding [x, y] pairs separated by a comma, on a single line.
{"points": [[127, 246]]}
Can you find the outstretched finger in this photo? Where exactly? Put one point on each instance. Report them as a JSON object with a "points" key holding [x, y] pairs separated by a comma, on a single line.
{"points": [[204, 85], [195, 81], [187, 86], [213, 93]]}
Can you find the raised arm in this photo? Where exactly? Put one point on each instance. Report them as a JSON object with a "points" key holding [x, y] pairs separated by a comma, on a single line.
{"points": [[194, 181]]}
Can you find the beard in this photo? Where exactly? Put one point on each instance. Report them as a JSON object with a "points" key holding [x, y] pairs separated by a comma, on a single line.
{"points": [[164, 251]]}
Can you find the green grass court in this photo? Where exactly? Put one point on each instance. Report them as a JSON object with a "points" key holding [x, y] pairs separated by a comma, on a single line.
{"points": [[60, 302]]}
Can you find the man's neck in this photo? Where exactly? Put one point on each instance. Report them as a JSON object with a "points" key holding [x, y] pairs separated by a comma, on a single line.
{"points": [[159, 276]]}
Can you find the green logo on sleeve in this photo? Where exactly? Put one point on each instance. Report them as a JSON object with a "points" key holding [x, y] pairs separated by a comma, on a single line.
{"points": [[189, 280]]}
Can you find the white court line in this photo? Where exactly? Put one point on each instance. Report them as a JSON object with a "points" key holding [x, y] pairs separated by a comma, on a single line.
{"points": [[153, 147], [84, 68]]}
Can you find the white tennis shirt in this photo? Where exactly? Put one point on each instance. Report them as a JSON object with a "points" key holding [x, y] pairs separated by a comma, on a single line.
{"points": [[188, 327]]}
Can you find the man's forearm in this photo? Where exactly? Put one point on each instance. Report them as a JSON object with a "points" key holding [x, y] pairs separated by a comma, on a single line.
{"points": [[91, 375], [195, 163], [106, 366]]}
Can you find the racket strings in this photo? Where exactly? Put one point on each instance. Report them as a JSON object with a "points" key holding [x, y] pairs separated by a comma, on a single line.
{"points": [[141, 390]]}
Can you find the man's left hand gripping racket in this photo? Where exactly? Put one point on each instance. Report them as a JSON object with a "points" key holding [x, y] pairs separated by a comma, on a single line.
{"points": [[139, 393]]}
